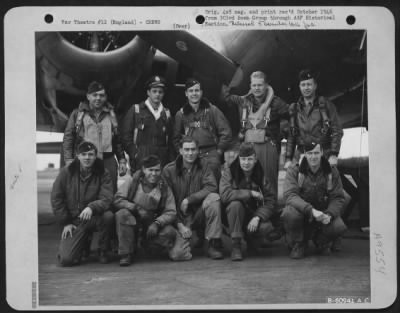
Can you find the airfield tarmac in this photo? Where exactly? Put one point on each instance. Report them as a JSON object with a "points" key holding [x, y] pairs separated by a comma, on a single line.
{"points": [[268, 278]]}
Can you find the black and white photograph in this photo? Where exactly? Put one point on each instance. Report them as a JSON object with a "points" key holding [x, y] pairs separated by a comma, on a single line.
{"points": [[204, 166]]}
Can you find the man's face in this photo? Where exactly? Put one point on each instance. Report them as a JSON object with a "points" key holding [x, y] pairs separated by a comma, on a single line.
{"points": [[314, 157], [189, 152], [97, 99], [156, 94], [194, 94], [308, 88], [258, 87], [152, 174], [87, 158], [247, 162]]}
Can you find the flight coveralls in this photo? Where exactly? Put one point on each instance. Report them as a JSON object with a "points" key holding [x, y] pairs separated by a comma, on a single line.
{"points": [[199, 187], [241, 207], [102, 132], [320, 125], [138, 207], [268, 148], [143, 134], [304, 190], [209, 127], [70, 195]]}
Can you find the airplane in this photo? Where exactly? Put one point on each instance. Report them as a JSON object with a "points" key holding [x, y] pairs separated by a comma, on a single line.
{"points": [[66, 62]]}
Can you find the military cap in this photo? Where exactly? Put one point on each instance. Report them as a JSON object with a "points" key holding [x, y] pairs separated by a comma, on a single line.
{"points": [[150, 161], [246, 149], [86, 146], [155, 81], [95, 86], [309, 146], [307, 74], [190, 82]]}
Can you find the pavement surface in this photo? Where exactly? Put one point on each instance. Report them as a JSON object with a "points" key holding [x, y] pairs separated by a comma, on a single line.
{"points": [[269, 277]]}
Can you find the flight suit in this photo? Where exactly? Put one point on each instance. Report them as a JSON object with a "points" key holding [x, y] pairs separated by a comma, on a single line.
{"points": [[304, 190], [267, 150], [209, 127], [102, 131], [241, 207], [320, 125], [143, 134], [71, 194]]}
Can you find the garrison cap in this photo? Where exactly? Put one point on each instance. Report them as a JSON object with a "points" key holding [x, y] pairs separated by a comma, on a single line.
{"points": [[309, 146], [307, 74], [155, 81], [150, 161], [246, 149], [86, 146], [95, 86], [190, 82]]}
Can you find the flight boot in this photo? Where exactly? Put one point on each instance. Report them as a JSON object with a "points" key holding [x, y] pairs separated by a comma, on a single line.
{"points": [[215, 249], [103, 257], [125, 260], [324, 249], [297, 251], [236, 253], [337, 244]]}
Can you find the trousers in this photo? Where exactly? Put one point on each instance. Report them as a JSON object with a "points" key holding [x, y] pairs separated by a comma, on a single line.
{"points": [[129, 228], [207, 218], [267, 154], [70, 248], [238, 217], [299, 228], [112, 166]]}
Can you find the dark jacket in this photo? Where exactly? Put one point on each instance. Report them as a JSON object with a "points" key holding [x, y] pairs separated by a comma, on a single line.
{"points": [[317, 190], [279, 111], [166, 210], [216, 131], [194, 186], [72, 139], [153, 136], [233, 187], [310, 127], [71, 194]]}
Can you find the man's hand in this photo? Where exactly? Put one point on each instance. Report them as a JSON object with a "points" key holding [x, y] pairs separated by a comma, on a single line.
{"points": [[86, 214], [327, 219], [152, 231], [184, 206], [253, 224], [122, 168], [257, 195], [318, 215], [68, 229], [333, 160], [321, 217], [184, 231], [287, 164]]}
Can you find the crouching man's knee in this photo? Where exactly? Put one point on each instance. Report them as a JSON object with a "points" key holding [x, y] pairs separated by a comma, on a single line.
{"points": [[66, 256], [334, 229], [212, 204]]}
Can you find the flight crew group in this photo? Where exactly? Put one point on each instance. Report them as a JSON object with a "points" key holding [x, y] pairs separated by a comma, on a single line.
{"points": [[173, 206]]}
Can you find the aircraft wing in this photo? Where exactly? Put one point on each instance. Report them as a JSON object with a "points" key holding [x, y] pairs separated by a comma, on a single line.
{"points": [[187, 49]]}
